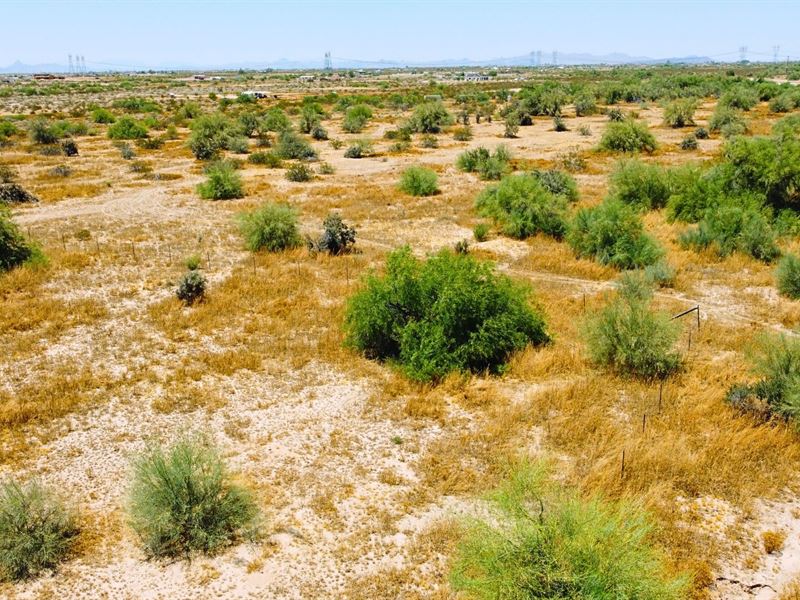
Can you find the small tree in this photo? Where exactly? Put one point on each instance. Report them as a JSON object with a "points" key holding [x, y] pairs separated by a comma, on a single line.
{"points": [[419, 181], [430, 117], [271, 227]]}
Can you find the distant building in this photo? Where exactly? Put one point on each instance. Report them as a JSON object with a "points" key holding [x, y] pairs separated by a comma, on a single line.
{"points": [[255, 94], [306, 78], [474, 76]]}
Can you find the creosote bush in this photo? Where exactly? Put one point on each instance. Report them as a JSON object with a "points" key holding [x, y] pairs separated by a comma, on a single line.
{"points": [[299, 173], [788, 276], [209, 136], [430, 117], [15, 250], [223, 183], [292, 146], [356, 118], [419, 181], [272, 227], [37, 531], [542, 541], [266, 159], [629, 338], [337, 238], [184, 501], [448, 313], [522, 206], [680, 113], [613, 234], [127, 128], [640, 184], [489, 166], [627, 136]]}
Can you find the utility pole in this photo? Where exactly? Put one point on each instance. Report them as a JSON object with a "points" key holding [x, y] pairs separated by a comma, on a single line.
{"points": [[328, 62]]}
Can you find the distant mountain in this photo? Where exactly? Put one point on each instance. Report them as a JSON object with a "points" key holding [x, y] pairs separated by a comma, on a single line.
{"points": [[340, 63]]}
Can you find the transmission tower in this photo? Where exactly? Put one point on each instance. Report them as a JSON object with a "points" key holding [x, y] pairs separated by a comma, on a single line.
{"points": [[742, 53], [555, 57], [70, 63], [83, 64], [538, 58], [775, 51], [328, 62]]}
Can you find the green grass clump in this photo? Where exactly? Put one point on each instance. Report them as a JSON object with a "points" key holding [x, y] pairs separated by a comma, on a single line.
{"points": [[37, 532], [183, 501], [522, 206], [680, 113], [272, 227], [419, 181], [627, 136], [223, 182], [480, 232], [15, 250], [542, 541], [448, 313], [788, 276], [612, 233], [640, 184], [629, 338], [127, 128]]}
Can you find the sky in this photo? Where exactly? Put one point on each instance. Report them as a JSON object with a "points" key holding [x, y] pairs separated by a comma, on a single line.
{"points": [[142, 33]]}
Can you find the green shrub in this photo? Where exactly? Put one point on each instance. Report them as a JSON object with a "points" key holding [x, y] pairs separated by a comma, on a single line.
{"points": [[184, 501], [337, 238], [701, 133], [275, 120], [522, 206], [150, 143], [429, 117], [615, 115], [127, 128], [7, 129], [559, 124], [630, 339], [102, 115], [782, 104], [585, 105], [739, 97], [136, 105], [223, 182], [291, 146], [356, 118], [429, 141], [326, 168], [191, 287], [640, 184], [768, 166], [359, 149], [512, 123], [541, 541], [310, 116], [788, 276], [447, 313], [689, 142], [627, 136], [480, 232], [490, 167], [777, 392], [43, 132], [14, 248], [209, 136], [557, 182], [787, 126], [661, 274], [692, 191], [680, 113], [299, 173], [267, 159], [462, 134], [272, 227], [419, 181], [612, 233], [734, 226], [238, 144], [37, 532], [724, 116], [319, 133]]}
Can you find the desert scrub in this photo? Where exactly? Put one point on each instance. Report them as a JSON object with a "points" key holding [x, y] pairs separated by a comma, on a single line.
{"points": [[489, 166], [37, 531], [419, 181], [739, 97], [776, 394], [103, 115], [462, 134], [627, 136], [191, 287], [15, 250], [612, 233], [680, 113], [557, 182], [689, 142], [734, 226], [788, 276], [356, 118], [723, 117], [209, 136], [429, 117], [627, 337], [184, 501], [542, 541], [271, 227], [266, 159], [337, 237], [448, 313], [299, 173], [480, 232], [127, 128], [223, 182], [521, 206], [43, 132], [359, 149], [640, 184]]}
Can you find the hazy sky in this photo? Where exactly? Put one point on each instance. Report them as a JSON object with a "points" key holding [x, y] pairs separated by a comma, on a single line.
{"points": [[149, 33]]}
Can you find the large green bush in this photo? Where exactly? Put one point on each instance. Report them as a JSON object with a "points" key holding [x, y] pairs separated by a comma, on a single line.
{"points": [[209, 136], [540, 541], [557, 182], [489, 166], [223, 182], [292, 146], [727, 118], [43, 132], [271, 227], [613, 234], [14, 248], [430, 117], [275, 120], [184, 501], [127, 128], [37, 531], [627, 337], [788, 276], [522, 206], [356, 118], [739, 97], [419, 181], [447, 313], [627, 136], [766, 165], [680, 112], [640, 184]]}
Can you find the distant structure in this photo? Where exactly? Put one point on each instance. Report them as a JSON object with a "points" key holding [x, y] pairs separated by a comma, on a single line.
{"points": [[775, 51], [742, 53], [70, 63], [83, 64], [328, 62], [555, 57], [538, 58], [475, 76]]}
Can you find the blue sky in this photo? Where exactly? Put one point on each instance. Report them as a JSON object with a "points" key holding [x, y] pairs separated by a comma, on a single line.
{"points": [[147, 33]]}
